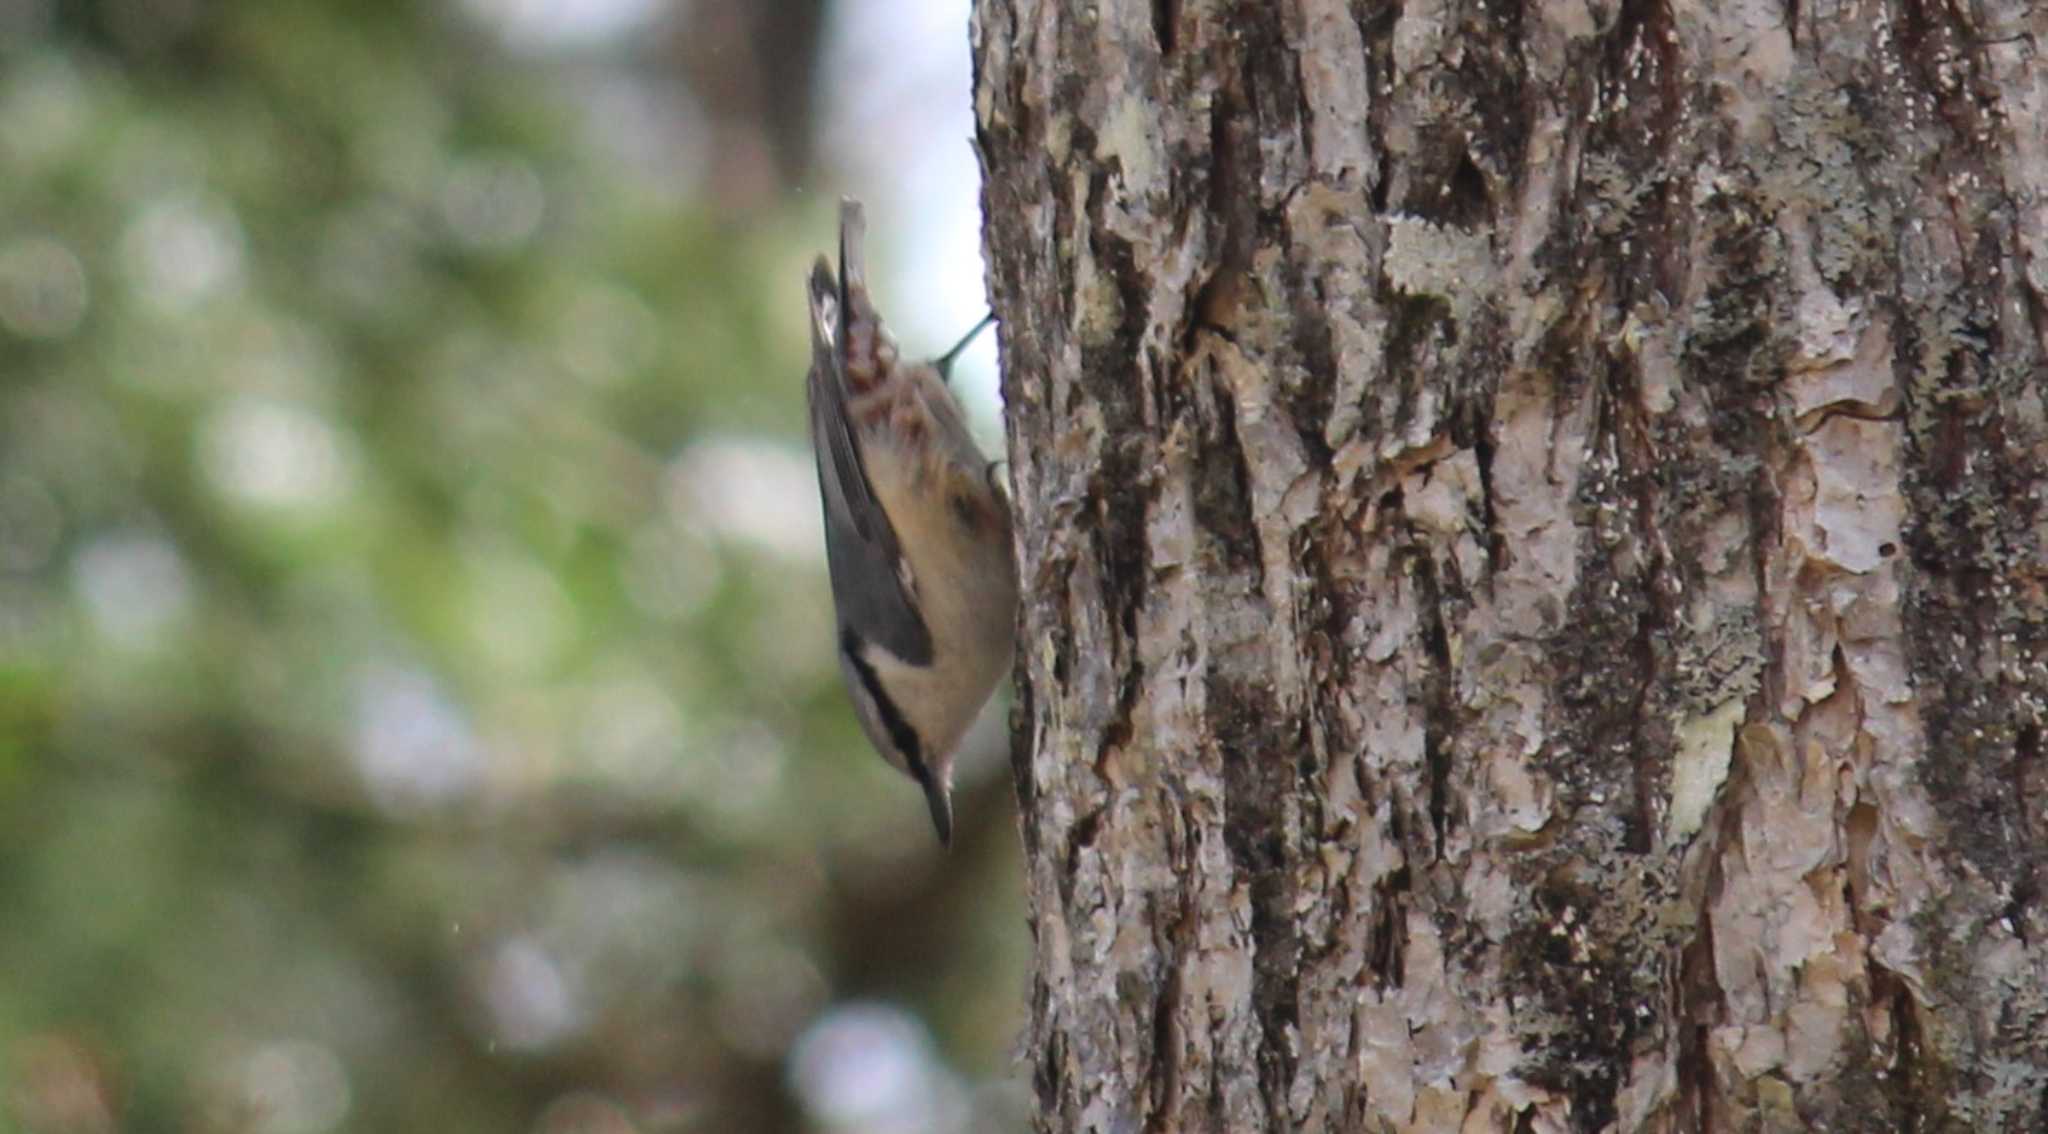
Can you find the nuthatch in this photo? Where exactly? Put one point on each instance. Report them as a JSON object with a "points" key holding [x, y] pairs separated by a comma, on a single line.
{"points": [[917, 532]]}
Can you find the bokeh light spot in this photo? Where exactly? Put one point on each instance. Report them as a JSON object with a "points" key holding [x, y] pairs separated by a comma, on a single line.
{"points": [[870, 1067], [134, 586], [527, 996], [293, 1087], [633, 733], [273, 455], [764, 494], [535, 25], [414, 750], [180, 252], [518, 615]]}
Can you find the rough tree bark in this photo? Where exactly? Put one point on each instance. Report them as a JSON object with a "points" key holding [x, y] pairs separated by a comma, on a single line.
{"points": [[1532, 525]]}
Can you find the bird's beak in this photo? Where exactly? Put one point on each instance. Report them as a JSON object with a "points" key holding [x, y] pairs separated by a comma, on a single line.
{"points": [[940, 797]]}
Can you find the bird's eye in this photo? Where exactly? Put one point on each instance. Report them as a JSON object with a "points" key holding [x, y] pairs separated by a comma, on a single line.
{"points": [[965, 509]]}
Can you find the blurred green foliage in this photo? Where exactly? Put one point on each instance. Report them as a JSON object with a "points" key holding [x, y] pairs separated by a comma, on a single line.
{"points": [[416, 702]]}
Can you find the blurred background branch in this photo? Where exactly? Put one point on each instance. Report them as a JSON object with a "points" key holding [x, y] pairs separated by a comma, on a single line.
{"points": [[417, 709]]}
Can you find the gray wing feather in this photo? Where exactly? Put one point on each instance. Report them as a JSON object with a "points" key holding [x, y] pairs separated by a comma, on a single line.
{"points": [[860, 545]]}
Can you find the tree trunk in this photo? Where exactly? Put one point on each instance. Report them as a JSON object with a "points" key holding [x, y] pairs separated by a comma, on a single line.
{"points": [[1532, 532]]}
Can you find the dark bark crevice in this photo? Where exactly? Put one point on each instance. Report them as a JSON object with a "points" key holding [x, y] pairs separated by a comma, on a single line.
{"points": [[1256, 739]]}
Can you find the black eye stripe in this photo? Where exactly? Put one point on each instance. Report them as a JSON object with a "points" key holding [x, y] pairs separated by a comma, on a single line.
{"points": [[900, 732]]}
